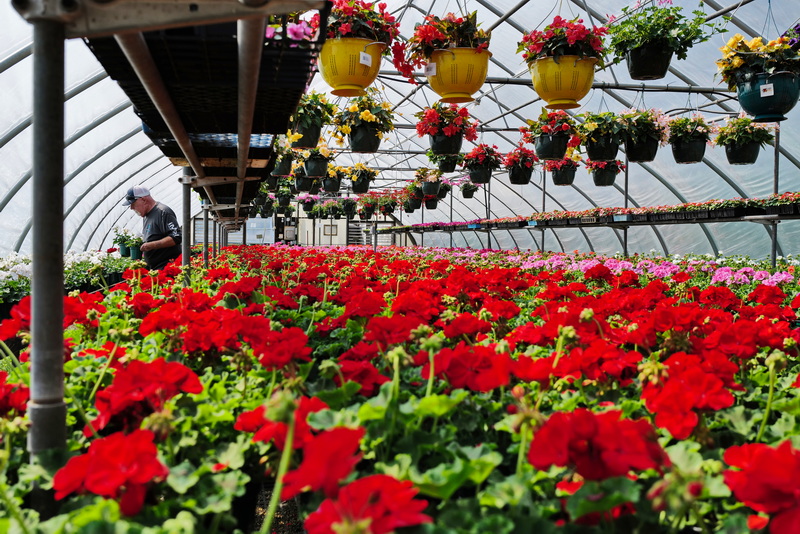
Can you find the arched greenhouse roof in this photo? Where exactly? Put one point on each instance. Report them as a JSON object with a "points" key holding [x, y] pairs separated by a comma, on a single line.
{"points": [[107, 151]]}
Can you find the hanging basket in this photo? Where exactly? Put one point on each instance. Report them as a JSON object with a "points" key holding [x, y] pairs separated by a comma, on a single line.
{"points": [[561, 84], [284, 200], [468, 193], [316, 185], [443, 144], [316, 166], [431, 203], [416, 202], [648, 62], [520, 174], [364, 139], [386, 209], [642, 151], [480, 175], [308, 205], [604, 177], [350, 64], [310, 137], [564, 176], [448, 164], [283, 167], [331, 185], [272, 183], [303, 183], [431, 188], [455, 74], [408, 208], [442, 194], [551, 146], [361, 185], [604, 149], [690, 151], [769, 97], [744, 154]]}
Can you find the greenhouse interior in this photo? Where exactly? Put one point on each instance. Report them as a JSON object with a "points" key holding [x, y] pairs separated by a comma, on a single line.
{"points": [[414, 267]]}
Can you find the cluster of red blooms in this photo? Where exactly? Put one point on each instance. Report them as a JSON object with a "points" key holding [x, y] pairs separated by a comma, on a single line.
{"points": [[447, 119], [563, 37], [13, 397]]}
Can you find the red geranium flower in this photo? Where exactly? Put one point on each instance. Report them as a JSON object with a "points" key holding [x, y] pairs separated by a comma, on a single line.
{"points": [[13, 397], [266, 430], [119, 466], [377, 504]]}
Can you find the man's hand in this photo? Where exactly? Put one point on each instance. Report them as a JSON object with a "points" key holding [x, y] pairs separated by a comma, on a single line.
{"points": [[148, 246]]}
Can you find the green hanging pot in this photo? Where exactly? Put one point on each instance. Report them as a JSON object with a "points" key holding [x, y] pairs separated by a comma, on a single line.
{"points": [[364, 139]]}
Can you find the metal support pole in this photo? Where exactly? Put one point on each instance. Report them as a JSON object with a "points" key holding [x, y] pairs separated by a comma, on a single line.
{"points": [[205, 234], [244, 232], [375, 235], [422, 235], [214, 241], [186, 251], [488, 198], [775, 188], [544, 203], [452, 192], [46, 408], [625, 228]]}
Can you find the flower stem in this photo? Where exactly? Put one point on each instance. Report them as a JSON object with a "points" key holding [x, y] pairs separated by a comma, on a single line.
{"points": [[699, 518], [13, 510], [103, 372], [283, 467], [81, 413], [763, 426], [523, 446], [429, 389]]}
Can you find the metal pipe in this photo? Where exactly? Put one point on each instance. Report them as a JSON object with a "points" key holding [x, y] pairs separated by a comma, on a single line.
{"points": [[214, 242], [250, 41], [625, 230], [775, 188], [46, 408], [244, 232], [544, 201], [138, 54], [186, 251], [205, 234]]}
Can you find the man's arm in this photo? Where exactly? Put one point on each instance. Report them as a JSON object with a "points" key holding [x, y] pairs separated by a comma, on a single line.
{"points": [[161, 243]]}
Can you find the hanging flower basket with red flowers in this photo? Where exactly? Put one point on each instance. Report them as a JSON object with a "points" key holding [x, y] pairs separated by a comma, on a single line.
{"points": [[520, 163], [447, 125], [552, 133]]}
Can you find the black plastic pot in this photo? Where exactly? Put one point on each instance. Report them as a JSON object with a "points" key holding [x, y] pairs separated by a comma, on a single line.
{"points": [[431, 203], [642, 151], [744, 154], [564, 176], [364, 139], [431, 188], [520, 174], [648, 62], [316, 166], [331, 185], [691, 151], [448, 164], [480, 175], [604, 177], [310, 137], [604, 149], [361, 185], [442, 144], [551, 147], [468, 193], [283, 167]]}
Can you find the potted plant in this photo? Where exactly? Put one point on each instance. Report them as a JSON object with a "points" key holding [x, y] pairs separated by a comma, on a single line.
{"points": [[412, 192], [366, 205], [481, 161], [313, 112], [563, 170], [456, 54], [643, 130], [332, 181], [447, 125], [601, 133], [348, 206], [315, 161], [520, 163], [747, 66], [360, 176], [566, 50], [604, 172], [445, 162], [331, 208], [429, 180], [648, 36], [468, 189], [387, 202], [365, 121], [283, 156], [688, 137], [122, 238], [743, 139], [135, 244], [445, 187], [358, 34], [307, 202], [551, 134]]}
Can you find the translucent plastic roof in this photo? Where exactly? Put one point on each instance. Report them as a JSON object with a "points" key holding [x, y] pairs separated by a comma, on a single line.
{"points": [[106, 151]]}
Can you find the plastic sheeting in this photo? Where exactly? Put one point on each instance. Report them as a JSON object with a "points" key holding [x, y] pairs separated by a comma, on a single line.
{"points": [[106, 152]]}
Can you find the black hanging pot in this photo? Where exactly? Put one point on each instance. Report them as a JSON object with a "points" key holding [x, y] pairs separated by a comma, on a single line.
{"points": [[284, 200], [331, 185], [603, 149], [310, 137], [308, 205], [272, 183], [431, 203], [565, 176], [641, 151], [284, 166], [743, 154], [369, 211], [649, 62], [468, 193], [363, 215], [519, 174], [769, 104], [408, 208], [443, 144], [303, 183], [480, 175], [386, 209], [416, 202], [364, 138], [448, 164], [551, 146], [316, 185], [690, 151], [442, 194], [253, 211], [604, 177], [431, 188], [316, 166], [360, 185]]}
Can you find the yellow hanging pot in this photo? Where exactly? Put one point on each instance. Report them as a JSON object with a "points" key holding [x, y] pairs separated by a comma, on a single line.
{"points": [[350, 64], [562, 84], [455, 74]]}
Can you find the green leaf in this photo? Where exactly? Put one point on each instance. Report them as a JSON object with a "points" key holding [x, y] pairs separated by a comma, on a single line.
{"points": [[443, 480], [439, 405], [496, 524], [783, 426], [232, 454], [375, 408], [685, 455], [182, 477], [482, 462], [601, 497], [337, 398], [507, 492], [739, 420]]}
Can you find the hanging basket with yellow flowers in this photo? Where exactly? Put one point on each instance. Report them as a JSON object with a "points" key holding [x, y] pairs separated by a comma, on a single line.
{"points": [[365, 121]]}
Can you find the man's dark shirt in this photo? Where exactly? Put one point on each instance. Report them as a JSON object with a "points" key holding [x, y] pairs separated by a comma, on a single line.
{"points": [[159, 223]]}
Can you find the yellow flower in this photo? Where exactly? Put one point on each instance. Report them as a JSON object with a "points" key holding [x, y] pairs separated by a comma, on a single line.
{"points": [[292, 136], [325, 151], [737, 62], [345, 129], [386, 105], [305, 153], [367, 115], [590, 126], [353, 108], [756, 43]]}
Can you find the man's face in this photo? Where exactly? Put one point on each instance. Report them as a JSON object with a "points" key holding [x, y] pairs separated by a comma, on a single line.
{"points": [[138, 206]]}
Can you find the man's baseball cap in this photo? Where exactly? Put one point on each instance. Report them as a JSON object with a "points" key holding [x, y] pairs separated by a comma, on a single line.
{"points": [[137, 191]]}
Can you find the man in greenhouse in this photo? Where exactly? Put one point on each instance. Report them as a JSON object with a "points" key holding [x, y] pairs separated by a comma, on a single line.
{"points": [[160, 231]]}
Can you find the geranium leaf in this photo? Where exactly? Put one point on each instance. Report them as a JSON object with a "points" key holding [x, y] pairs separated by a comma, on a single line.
{"points": [[443, 480], [439, 405], [685, 456], [182, 477], [601, 497]]}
